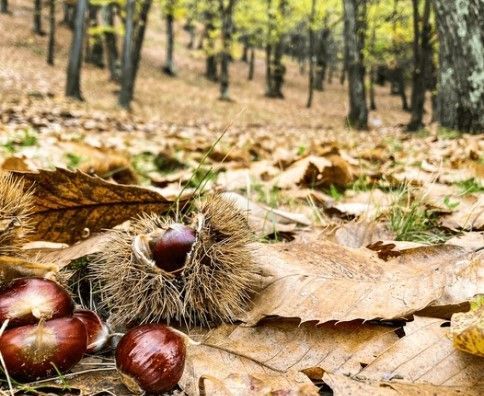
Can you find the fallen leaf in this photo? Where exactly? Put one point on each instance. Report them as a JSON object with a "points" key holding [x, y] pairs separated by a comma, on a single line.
{"points": [[322, 281], [426, 355], [71, 205], [467, 328]]}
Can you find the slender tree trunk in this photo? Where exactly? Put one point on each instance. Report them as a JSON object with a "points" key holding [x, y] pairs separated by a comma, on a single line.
{"points": [[94, 46], [4, 6], [372, 70], [278, 70], [245, 49], [127, 72], [226, 12], [422, 58], [38, 18], [354, 16], [268, 49], [51, 43], [311, 55], [69, 15], [139, 36], [168, 67], [211, 60], [344, 70], [321, 57], [250, 77], [112, 54], [73, 81], [190, 28], [461, 82]]}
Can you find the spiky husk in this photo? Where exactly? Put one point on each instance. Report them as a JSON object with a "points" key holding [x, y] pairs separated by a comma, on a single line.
{"points": [[214, 286], [15, 208]]}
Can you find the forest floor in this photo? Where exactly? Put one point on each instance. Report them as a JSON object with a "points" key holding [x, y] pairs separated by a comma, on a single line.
{"points": [[276, 152], [361, 208]]}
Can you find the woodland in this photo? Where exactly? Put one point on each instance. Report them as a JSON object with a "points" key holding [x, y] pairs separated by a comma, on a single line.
{"points": [[242, 197]]}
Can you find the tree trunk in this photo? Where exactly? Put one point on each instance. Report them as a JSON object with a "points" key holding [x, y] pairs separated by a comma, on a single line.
{"points": [[311, 55], [51, 43], [461, 82], [268, 49], [226, 13], [94, 48], [127, 70], [112, 54], [354, 16], [344, 70], [277, 69], [139, 36], [372, 69], [245, 49], [73, 81], [169, 67], [250, 77], [69, 15], [4, 6], [321, 60], [38, 17], [422, 53], [190, 28], [211, 61]]}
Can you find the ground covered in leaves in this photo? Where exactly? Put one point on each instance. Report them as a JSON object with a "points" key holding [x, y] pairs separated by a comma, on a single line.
{"points": [[368, 241]]}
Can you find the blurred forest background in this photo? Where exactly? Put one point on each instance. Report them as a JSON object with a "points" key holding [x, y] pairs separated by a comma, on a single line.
{"points": [[364, 62]]}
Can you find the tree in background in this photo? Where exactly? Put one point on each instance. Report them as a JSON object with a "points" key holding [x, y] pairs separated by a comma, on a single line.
{"points": [[422, 53], [355, 19], [109, 34], [461, 59], [210, 40], [4, 6], [38, 18], [312, 16], [226, 9], [277, 70], [169, 12], [73, 80], [51, 43]]}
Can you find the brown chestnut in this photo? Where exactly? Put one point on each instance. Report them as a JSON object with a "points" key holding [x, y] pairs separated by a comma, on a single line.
{"points": [[151, 358], [28, 300], [33, 352], [170, 250], [97, 330]]}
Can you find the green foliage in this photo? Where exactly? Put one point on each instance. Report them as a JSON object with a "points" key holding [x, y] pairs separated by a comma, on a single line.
{"points": [[471, 186], [23, 138]]}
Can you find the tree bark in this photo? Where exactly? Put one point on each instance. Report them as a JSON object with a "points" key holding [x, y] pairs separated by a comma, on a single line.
{"points": [[250, 76], [268, 49], [461, 56], [94, 47], [4, 6], [38, 18], [51, 43], [354, 16], [311, 55], [112, 54], [372, 88], [226, 13], [169, 67], [277, 69], [422, 53], [321, 60], [139, 36], [211, 60], [127, 71], [73, 80]]}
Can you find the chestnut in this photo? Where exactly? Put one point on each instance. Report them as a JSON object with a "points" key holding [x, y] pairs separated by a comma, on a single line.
{"points": [[171, 249], [33, 352], [28, 300], [97, 331], [151, 358]]}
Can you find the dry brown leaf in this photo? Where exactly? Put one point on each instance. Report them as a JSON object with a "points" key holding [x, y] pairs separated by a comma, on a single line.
{"points": [[345, 386], [283, 345], [322, 281], [68, 205], [359, 234], [426, 355], [469, 240], [204, 360], [316, 171], [467, 328], [468, 215]]}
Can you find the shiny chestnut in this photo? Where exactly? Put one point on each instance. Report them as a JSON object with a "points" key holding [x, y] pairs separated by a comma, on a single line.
{"points": [[171, 249], [151, 358], [97, 331], [28, 300], [33, 352]]}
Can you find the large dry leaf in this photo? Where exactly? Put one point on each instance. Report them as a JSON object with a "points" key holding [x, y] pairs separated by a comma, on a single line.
{"points": [[69, 204], [316, 171], [322, 281], [468, 215], [426, 355], [204, 361], [345, 386], [283, 345]]}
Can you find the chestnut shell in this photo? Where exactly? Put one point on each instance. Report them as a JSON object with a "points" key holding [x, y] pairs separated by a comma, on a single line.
{"points": [[27, 300], [32, 351], [170, 251], [97, 330], [151, 358]]}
